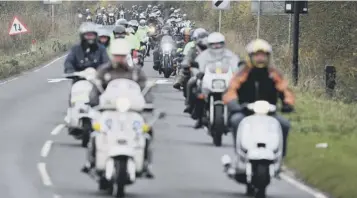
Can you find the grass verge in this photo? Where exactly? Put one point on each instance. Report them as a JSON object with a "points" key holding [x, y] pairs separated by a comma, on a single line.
{"points": [[46, 50], [330, 169]]}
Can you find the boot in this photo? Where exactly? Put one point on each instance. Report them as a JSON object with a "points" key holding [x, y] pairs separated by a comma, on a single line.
{"points": [[177, 86], [198, 124], [188, 109]]}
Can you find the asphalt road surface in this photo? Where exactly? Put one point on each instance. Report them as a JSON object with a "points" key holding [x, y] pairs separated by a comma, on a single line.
{"points": [[39, 159]]}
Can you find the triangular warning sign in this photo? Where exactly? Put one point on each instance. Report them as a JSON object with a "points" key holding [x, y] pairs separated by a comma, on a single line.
{"points": [[17, 27]]}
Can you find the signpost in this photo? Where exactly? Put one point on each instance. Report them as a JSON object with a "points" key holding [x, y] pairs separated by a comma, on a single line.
{"points": [[220, 5], [296, 8], [52, 3], [17, 27]]}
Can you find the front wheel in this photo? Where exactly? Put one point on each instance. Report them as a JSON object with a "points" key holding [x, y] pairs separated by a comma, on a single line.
{"points": [[218, 125], [87, 128], [167, 67], [121, 176], [261, 179]]}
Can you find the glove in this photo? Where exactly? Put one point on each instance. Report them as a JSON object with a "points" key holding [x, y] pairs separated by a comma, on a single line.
{"points": [[286, 108]]}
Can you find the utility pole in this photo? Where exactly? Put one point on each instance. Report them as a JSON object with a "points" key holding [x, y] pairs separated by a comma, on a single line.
{"points": [[220, 21], [52, 17], [296, 43], [258, 19]]}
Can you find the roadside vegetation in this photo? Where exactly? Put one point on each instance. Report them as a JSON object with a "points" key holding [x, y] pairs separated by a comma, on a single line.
{"points": [[328, 36], [15, 51]]}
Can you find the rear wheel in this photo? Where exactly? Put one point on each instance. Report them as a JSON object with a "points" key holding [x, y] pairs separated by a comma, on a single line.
{"points": [[218, 125]]}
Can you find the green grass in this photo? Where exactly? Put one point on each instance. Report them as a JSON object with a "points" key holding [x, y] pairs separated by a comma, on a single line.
{"points": [[332, 169], [46, 50]]}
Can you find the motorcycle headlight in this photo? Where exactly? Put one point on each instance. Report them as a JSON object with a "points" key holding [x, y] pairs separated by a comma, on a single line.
{"points": [[123, 104], [152, 30], [111, 14], [218, 84], [166, 47]]}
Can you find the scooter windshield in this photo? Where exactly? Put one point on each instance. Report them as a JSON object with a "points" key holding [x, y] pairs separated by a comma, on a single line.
{"points": [[123, 88]]}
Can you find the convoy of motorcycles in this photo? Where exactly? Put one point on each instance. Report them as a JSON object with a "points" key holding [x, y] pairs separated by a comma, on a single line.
{"points": [[121, 132]]}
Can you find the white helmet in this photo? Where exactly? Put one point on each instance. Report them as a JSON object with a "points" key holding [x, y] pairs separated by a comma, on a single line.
{"points": [[216, 43], [119, 47], [130, 30], [259, 45], [197, 32], [142, 22], [216, 37]]}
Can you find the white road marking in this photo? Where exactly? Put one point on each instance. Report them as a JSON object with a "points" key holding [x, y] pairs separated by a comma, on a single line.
{"points": [[56, 196], [163, 82], [46, 148], [302, 186], [57, 129], [56, 80], [46, 180], [48, 64]]}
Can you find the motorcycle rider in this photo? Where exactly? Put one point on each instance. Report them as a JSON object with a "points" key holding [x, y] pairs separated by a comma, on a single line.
{"points": [[216, 51], [185, 38], [166, 31], [104, 37], [142, 32], [119, 67], [87, 53], [256, 80], [199, 41]]}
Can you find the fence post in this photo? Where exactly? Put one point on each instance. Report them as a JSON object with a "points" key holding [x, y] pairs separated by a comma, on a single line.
{"points": [[330, 79]]}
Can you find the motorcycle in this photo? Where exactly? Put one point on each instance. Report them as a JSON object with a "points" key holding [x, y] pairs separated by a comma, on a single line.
{"points": [[177, 61], [167, 63], [259, 148], [99, 19], [78, 119], [121, 135], [111, 18], [144, 47], [213, 85], [121, 14], [152, 33], [89, 18]]}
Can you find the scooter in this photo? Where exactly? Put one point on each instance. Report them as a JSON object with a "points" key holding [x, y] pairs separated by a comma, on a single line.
{"points": [[121, 135], [213, 85], [78, 120], [259, 149]]}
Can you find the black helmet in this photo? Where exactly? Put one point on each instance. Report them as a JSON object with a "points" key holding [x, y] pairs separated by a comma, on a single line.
{"points": [[202, 40], [119, 31]]}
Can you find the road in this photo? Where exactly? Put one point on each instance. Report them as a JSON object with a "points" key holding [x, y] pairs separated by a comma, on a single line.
{"points": [[39, 159]]}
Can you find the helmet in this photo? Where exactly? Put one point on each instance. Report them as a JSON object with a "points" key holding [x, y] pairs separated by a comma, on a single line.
{"points": [[259, 45], [158, 13], [130, 30], [103, 32], [87, 10], [119, 31], [134, 23], [197, 32], [172, 9], [255, 46], [149, 6], [122, 22], [216, 42], [88, 27], [202, 40], [119, 47], [142, 22]]}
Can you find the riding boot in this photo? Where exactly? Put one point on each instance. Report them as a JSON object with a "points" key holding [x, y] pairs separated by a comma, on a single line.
{"points": [[90, 164], [148, 157]]}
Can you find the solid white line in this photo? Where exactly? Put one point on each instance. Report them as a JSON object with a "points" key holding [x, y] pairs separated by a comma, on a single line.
{"points": [[56, 196], [57, 129], [46, 148], [43, 173], [48, 64], [302, 186]]}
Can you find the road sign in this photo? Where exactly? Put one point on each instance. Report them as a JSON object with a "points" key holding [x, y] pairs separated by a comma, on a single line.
{"points": [[17, 27], [267, 7], [221, 4]]}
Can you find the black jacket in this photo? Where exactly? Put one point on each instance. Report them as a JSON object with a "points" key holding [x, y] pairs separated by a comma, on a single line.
{"points": [[79, 60]]}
